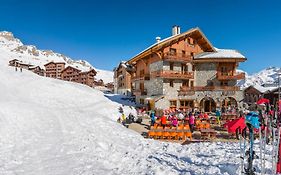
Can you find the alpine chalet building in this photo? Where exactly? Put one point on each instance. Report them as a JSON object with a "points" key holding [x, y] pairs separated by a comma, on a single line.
{"points": [[186, 71], [122, 78]]}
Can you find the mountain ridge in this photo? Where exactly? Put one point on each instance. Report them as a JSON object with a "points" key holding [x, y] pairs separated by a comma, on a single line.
{"points": [[30, 54]]}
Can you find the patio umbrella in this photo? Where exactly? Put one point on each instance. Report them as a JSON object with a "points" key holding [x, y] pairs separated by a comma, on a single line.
{"points": [[262, 101]]}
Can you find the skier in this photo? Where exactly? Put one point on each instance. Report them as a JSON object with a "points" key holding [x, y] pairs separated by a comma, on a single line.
{"points": [[252, 122]]}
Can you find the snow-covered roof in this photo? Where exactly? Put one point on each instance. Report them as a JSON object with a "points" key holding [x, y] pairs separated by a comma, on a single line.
{"points": [[263, 89], [220, 53]]}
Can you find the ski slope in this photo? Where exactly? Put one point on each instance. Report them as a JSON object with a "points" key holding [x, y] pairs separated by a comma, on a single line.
{"points": [[53, 127]]}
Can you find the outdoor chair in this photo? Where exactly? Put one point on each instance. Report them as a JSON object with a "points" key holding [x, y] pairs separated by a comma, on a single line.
{"points": [[188, 134]]}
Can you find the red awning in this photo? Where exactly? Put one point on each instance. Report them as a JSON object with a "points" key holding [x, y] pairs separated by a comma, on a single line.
{"points": [[262, 101]]}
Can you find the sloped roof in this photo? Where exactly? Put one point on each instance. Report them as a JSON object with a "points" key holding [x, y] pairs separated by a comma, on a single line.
{"points": [[261, 88], [202, 41], [220, 53], [70, 67]]}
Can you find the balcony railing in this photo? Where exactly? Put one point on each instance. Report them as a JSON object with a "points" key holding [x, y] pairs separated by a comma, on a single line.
{"points": [[180, 57], [209, 88], [141, 77], [237, 76], [139, 92], [170, 74]]}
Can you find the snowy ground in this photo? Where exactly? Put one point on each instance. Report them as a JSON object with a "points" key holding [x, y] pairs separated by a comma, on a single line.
{"points": [[53, 127]]}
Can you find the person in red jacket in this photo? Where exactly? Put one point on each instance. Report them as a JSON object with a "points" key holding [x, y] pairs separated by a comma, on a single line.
{"points": [[163, 121]]}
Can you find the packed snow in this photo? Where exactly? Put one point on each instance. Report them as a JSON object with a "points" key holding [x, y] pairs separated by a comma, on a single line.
{"points": [[13, 48], [53, 127]]}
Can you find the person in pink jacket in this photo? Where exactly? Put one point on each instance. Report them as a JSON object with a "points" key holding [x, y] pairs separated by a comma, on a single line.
{"points": [[174, 121], [191, 122]]}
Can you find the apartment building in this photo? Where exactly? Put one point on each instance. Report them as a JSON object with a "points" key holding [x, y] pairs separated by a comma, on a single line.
{"points": [[87, 77], [54, 70], [186, 71], [122, 78]]}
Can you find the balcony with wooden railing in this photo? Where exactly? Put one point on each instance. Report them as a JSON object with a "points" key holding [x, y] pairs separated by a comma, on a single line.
{"points": [[208, 88], [139, 92], [176, 57], [141, 77], [226, 76], [170, 74]]}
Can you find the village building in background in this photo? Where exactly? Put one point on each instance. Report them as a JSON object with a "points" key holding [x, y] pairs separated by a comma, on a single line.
{"points": [[123, 78], [54, 70], [57, 70], [185, 71], [37, 70]]}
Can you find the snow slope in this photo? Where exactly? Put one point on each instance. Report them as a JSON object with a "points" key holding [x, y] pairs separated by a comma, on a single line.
{"points": [[53, 127], [15, 49]]}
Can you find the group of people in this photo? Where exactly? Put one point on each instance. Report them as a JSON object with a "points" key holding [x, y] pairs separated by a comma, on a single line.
{"points": [[177, 117]]}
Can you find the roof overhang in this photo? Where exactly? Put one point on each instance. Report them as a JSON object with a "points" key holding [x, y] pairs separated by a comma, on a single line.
{"points": [[195, 33]]}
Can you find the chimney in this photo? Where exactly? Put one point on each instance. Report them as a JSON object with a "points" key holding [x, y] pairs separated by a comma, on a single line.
{"points": [[176, 30], [158, 39]]}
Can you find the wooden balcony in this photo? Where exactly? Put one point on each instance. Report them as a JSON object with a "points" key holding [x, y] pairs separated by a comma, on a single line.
{"points": [[141, 77], [170, 74], [209, 88], [139, 92], [177, 57], [237, 76]]}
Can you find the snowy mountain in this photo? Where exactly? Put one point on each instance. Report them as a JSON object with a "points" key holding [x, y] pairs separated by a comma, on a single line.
{"points": [[267, 76], [13, 48]]}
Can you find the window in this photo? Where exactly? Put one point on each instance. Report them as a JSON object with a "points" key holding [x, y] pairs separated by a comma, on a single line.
{"points": [[141, 72], [191, 54], [184, 68], [183, 53], [171, 83], [171, 66], [185, 83], [224, 83], [224, 70], [173, 51], [173, 104], [191, 83], [188, 40], [184, 104]]}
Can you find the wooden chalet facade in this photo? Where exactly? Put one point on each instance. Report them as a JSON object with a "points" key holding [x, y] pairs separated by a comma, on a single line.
{"points": [[70, 74], [252, 94], [87, 77], [54, 70], [37, 70], [186, 71], [123, 79]]}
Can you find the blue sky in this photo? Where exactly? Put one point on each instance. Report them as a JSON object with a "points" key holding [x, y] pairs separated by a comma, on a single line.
{"points": [[105, 32]]}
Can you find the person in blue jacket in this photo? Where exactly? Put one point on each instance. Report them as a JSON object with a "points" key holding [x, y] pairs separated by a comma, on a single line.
{"points": [[152, 117]]}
